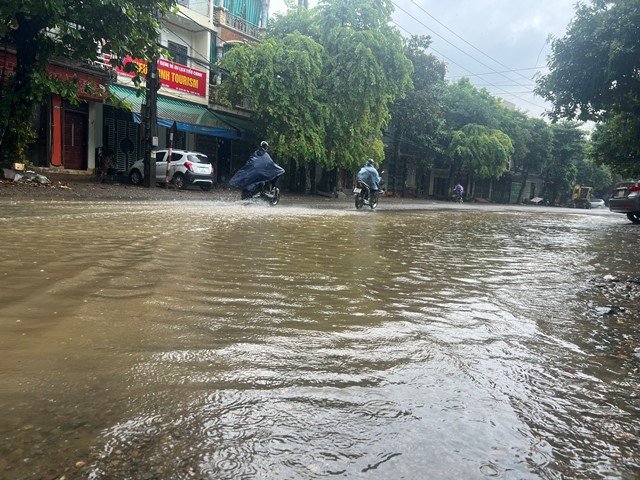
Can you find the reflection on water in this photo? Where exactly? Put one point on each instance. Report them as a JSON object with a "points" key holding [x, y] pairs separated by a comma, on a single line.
{"points": [[176, 340]]}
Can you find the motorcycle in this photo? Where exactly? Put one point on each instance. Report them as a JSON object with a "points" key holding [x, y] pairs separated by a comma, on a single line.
{"points": [[363, 194], [263, 191], [457, 197]]}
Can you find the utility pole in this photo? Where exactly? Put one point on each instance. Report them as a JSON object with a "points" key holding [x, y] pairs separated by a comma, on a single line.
{"points": [[167, 176], [151, 119]]}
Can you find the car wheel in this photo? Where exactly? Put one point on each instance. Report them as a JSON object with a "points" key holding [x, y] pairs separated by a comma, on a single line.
{"points": [[634, 217], [205, 187], [135, 177], [179, 181]]}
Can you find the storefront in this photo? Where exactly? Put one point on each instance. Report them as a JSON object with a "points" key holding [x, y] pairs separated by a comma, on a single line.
{"points": [[67, 134], [198, 128]]}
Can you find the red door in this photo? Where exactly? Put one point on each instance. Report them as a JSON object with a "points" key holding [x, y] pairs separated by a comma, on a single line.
{"points": [[74, 144]]}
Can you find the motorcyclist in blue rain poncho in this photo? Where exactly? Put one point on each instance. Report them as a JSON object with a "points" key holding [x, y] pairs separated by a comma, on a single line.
{"points": [[369, 175], [259, 169]]}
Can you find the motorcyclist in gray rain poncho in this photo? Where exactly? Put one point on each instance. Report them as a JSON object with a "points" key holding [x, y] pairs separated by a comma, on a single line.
{"points": [[259, 169]]}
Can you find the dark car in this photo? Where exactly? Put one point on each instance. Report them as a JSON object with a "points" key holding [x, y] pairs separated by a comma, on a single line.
{"points": [[626, 199]]}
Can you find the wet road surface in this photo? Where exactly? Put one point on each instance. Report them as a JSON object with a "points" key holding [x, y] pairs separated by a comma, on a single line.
{"points": [[227, 340]]}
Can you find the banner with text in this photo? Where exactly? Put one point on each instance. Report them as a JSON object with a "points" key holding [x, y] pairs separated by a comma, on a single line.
{"points": [[173, 75]]}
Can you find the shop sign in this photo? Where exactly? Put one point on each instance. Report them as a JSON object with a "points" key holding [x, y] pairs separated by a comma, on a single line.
{"points": [[173, 75], [90, 87]]}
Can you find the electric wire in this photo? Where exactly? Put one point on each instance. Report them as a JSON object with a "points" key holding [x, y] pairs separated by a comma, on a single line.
{"points": [[465, 41], [503, 91]]}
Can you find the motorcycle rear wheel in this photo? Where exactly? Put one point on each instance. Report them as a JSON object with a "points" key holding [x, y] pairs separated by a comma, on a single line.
{"points": [[275, 199], [359, 200], [373, 202]]}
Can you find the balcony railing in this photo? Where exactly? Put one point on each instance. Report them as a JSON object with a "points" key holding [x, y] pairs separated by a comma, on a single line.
{"points": [[240, 24], [217, 13]]}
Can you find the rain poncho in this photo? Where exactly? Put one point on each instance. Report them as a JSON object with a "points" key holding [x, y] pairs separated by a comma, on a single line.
{"points": [[369, 175], [259, 168]]}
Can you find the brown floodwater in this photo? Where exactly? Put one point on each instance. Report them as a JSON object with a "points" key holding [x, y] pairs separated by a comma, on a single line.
{"points": [[210, 340]]}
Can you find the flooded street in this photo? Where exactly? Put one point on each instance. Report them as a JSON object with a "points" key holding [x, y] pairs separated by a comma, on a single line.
{"points": [[205, 340]]}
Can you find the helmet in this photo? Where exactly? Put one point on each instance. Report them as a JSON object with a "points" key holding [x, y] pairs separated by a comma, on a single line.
{"points": [[369, 162], [264, 145]]}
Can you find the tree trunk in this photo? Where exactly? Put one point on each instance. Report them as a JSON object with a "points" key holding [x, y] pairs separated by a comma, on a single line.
{"points": [[523, 184], [18, 133], [396, 161]]}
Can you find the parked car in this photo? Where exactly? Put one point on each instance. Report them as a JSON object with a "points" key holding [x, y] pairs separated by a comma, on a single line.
{"points": [[186, 168], [597, 203], [626, 199]]}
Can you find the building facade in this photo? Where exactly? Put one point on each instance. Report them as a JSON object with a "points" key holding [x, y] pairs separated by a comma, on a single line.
{"points": [[195, 37]]}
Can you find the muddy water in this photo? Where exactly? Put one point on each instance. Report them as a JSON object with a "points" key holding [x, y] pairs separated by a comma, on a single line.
{"points": [[232, 341]]}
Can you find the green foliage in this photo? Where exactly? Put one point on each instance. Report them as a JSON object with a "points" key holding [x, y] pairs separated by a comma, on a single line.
{"points": [[417, 118], [594, 76], [615, 143], [540, 145], [281, 78], [465, 104], [594, 68], [483, 150], [333, 107], [593, 175], [75, 31], [23, 134], [568, 148]]}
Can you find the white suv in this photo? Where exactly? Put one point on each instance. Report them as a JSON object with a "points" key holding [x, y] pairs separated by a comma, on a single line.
{"points": [[186, 168]]}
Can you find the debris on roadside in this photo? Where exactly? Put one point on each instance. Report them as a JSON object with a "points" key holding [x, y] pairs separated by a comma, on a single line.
{"points": [[24, 176]]}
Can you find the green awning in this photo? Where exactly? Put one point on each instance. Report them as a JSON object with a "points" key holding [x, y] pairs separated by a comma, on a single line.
{"points": [[188, 116], [245, 125]]}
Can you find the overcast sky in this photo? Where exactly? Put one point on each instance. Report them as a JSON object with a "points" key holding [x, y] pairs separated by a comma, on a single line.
{"points": [[481, 39]]}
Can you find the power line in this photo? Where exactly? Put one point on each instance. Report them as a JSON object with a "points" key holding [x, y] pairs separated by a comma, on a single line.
{"points": [[505, 71], [504, 92], [431, 47], [471, 45], [471, 56], [450, 43]]}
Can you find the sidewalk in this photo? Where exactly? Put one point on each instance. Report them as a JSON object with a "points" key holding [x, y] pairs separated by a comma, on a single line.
{"points": [[89, 187], [79, 186]]}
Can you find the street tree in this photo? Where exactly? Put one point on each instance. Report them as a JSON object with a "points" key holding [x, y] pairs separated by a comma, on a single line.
{"points": [[594, 77], [594, 175], [615, 143], [417, 120], [281, 78], [362, 71], [366, 70], [465, 104], [466, 109], [532, 142], [76, 31], [484, 151], [560, 172]]}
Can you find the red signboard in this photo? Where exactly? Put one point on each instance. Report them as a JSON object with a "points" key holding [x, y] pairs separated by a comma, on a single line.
{"points": [[174, 76], [90, 87]]}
